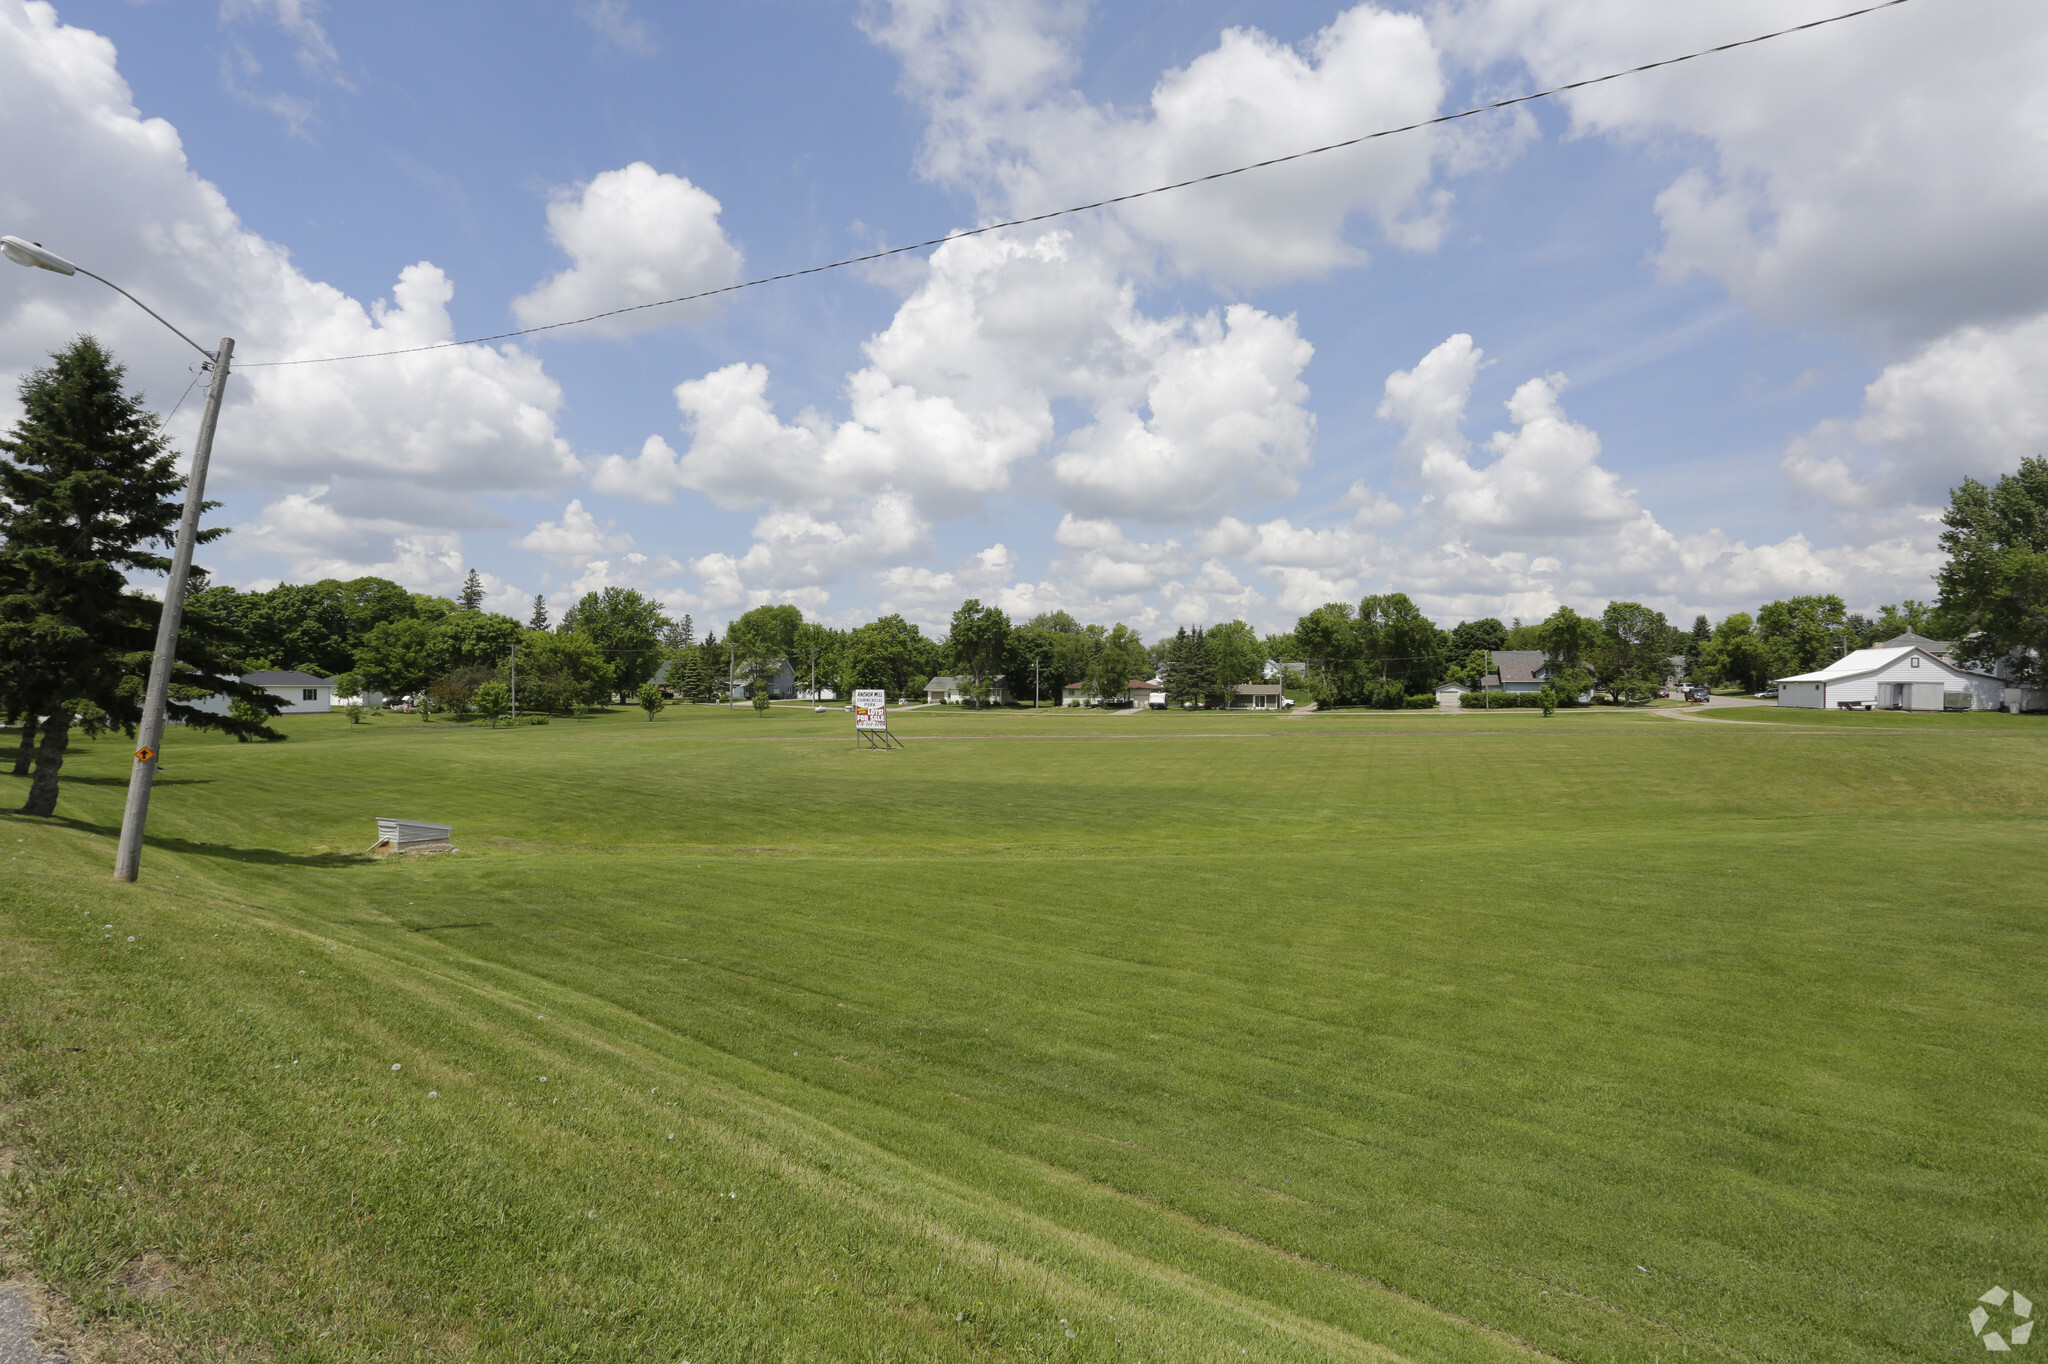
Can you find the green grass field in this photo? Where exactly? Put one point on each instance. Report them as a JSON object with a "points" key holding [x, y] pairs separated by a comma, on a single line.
{"points": [[1049, 1037], [1986, 722]]}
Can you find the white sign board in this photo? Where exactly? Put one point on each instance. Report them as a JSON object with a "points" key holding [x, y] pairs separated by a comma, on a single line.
{"points": [[871, 710]]}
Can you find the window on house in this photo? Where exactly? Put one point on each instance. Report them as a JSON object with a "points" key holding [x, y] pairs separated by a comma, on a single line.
{"points": [[1913, 662], [309, 693]]}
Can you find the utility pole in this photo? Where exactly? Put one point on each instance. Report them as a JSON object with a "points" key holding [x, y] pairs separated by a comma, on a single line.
{"points": [[156, 698], [729, 674], [514, 651]]}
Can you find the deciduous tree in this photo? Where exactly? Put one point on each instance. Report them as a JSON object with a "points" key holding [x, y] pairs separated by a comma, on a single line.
{"points": [[979, 640], [493, 701], [1994, 586], [626, 628]]}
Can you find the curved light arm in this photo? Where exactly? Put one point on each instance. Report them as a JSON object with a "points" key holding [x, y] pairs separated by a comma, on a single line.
{"points": [[42, 258]]}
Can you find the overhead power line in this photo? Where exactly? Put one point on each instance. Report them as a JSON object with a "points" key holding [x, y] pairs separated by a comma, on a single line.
{"points": [[1098, 203]]}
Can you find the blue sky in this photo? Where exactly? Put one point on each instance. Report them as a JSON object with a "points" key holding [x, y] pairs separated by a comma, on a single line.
{"points": [[1754, 315]]}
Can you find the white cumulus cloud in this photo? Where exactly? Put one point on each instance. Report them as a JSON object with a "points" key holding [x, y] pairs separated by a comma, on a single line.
{"points": [[634, 236]]}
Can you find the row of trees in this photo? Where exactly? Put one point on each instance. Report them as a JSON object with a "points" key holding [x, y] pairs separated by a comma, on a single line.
{"points": [[1994, 598]]}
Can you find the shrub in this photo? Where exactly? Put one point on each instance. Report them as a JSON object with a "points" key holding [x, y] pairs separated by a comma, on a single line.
{"points": [[760, 703], [1502, 700], [354, 713], [493, 701], [1427, 701]]}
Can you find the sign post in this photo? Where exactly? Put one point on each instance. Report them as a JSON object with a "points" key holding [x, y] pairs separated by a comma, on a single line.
{"points": [[871, 720]]}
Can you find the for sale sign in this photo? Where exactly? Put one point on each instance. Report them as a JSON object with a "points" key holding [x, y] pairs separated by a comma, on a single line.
{"points": [[871, 710]]}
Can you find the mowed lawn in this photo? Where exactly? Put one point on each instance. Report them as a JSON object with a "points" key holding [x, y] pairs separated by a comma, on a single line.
{"points": [[1048, 1037]]}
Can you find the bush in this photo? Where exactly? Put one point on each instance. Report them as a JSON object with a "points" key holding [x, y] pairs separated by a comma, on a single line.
{"points": [[1502, 700], [493, 701], [354, 714], [1423, 702], [760, 703]]}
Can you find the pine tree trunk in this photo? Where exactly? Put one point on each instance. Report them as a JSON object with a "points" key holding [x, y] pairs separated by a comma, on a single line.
{"points": [[25, 756], [42, 791]]}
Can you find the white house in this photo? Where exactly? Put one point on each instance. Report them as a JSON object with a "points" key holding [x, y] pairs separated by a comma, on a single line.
{"points": [[302, 693], [1137, 693], [945, 691], [1905, 678], [1259, 696]]}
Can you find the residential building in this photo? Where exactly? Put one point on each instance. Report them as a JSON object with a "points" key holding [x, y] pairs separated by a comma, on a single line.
{"points": [[1145, 695], [1257, 696], [946, 691], [302, 693], [1516, 670], [1905, 678]]}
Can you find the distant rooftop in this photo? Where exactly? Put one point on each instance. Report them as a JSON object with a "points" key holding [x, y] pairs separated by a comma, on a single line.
{"points": [[286, 677], [1909, 640]]}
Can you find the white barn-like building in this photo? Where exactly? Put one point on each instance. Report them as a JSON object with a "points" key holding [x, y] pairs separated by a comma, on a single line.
{"points": [[1906, 678], [302, 693]]}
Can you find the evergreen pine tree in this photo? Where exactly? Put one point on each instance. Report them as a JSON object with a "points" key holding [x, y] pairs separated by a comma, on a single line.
{"points": [[1701, 633], [472, 592], [689, 675], [1197, 669], [1170, 668], [539, 620], [88, 489]]}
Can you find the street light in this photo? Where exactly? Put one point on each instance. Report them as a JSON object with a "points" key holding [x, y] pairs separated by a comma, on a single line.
{"points": [[155, 701]]}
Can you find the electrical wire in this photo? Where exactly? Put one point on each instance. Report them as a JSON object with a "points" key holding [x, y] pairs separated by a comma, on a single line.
{"points": [[1088, 207], [182, 396]]}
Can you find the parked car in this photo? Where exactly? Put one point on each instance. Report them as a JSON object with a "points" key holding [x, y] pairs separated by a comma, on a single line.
{"points": [[1697, 693], [1767, 694]]}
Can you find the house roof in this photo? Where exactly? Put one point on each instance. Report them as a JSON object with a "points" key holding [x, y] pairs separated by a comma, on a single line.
{"points": [[1909, 640], [1258, 689], [1076, 686], [286, 677], [1517, 665], [1871, 660], [941, 684], [1139, 685]]}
